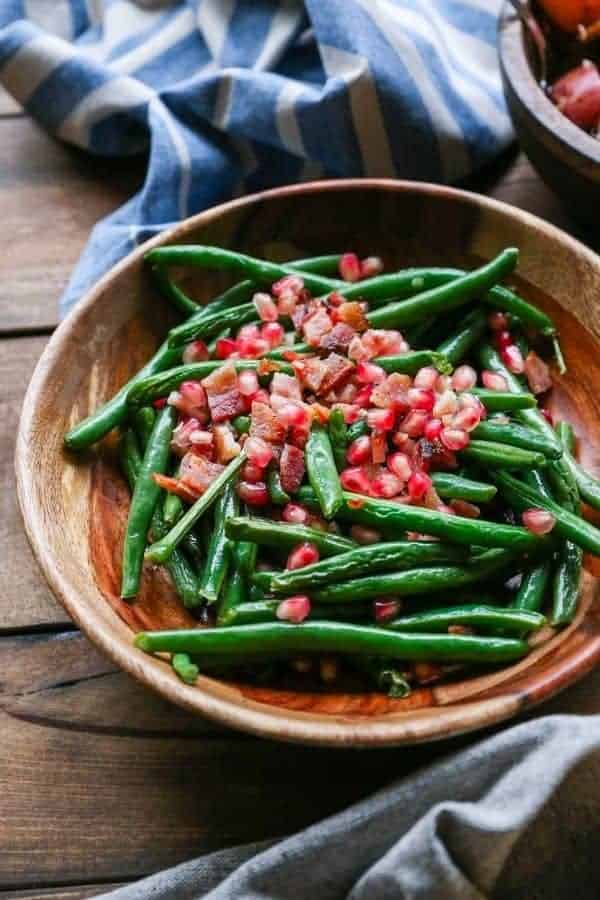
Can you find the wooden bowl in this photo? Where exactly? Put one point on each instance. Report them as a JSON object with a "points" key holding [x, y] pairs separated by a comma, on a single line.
{"points": [[565, 156], [74, 507]]}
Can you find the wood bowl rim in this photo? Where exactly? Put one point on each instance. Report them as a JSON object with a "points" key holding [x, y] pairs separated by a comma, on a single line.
{"points": [[517, 71], [403, 728]]}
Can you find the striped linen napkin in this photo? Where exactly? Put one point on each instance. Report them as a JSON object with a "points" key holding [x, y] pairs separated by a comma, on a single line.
{"points": [[229, 96]]}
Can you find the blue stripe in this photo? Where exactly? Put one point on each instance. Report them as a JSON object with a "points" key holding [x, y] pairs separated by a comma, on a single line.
{"points": [[13, 38], [63, 89], [246, 34]]}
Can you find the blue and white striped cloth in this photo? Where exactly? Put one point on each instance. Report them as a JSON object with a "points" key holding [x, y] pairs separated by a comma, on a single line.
{"points": [[230, 96]]}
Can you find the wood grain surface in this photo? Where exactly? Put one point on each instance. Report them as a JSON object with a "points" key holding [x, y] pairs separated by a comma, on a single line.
{"points": [[79, 739]]}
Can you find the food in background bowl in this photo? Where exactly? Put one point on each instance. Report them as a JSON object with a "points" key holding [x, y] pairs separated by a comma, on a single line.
{"points": [[309, 453]]}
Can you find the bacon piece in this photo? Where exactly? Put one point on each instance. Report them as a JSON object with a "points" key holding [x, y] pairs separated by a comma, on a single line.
{"points": [[538, 373], [298, 315], [286, 386], [392, 392], [226, 446], [175, 486], [265, 424], [353, 314], [310, 372], [337, 370], [291, 468], [197, 473], [315, 326], [267, 366], [339, 338], [181, 439], [224, 398]]}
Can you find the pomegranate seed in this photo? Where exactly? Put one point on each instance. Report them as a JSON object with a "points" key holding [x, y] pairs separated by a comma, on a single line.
{"points": [[513, 359], [355, 480], [454, 438], [359, 451], [418, 485], [252, 473], [291, 284], [465, 509], [538, 521], [419, 398], [363, 535], [225, 347], [261, 396], [265, 307], [386, 484], [351, 414], [369, 373], [545, 412], [259, 452], [433, 429], [498, 321], [503, 339], [414, 423], [399, 464], [363, 397], [248, 383], [385, 610], [426, 378], [294, 609], [466, 419], [294, 415], [493, 381], [159, 403], [253, 494], [464, 377], [349, 267], [249, 332], [303, 555], [335, 299], [443, 383], [197, 351], [294, 513], [298, 437], [446, 404], [273, 333], [251, 348], [371, 266], [381, 419]]}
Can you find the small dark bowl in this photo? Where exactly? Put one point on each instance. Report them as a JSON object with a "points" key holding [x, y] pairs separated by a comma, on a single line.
{"points": [[566, 157]]}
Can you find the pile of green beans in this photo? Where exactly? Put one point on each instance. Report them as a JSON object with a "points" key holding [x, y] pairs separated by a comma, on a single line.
{"points": [[229, 563]]}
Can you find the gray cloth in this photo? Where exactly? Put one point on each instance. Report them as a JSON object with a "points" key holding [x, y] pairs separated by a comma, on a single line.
{"points": [[516, 815]]}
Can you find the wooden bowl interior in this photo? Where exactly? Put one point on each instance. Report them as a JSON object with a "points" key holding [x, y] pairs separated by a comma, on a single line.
{"points": [[75, 507]]}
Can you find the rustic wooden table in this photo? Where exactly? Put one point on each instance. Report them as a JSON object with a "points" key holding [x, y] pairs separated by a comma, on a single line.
{"points": [[100, 781]]}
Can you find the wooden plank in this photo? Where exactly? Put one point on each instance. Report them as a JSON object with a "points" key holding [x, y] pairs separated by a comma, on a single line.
{"points": [[73, 892], [51, 196], [24, 599]]}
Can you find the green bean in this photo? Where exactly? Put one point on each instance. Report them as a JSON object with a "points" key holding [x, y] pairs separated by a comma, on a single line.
{"points": [[490, 619], [502, 456], [281, 640], [161, 384], [568, 525], [588, 486], [145, 497], [373, 558], [161, 550], [170, 290], [232, 317], [357, 429], [241, 424], [532, 589], [217, 558], [285, 536], [322, 472], [444, 297], [410, 362], [172, 508], [456, 487], [143, 423], [517, 436], [233, 597], [385, 676], [130, 457], [567, 582], [193, 547], [503, 401], [456, 347], [245, 554], [413, 581], [395, 518], [184, 667], [266, 611], [338, 435], [278, 352], [277, 494]]}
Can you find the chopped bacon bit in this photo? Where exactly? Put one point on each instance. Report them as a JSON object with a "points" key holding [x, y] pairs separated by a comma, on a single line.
{"points": [[226, 446], [315, 326], [513, 359], [465, 509], [265, 307], [369, 373], [224, 398], [349, 267], [203, 442], [356, 351], [259, 451], [361, 533], [379, 342], [248, 383], [352, 314], [197, 351], [392, 392], [197, 473], [309, 372], [538, 373], [291, 468], [181, 439], [321, 413], [339, 338], [371, 266], [298, 437], [265, 424], [190, 399], [174, 486], [286, 386], [336, 370], [498, 321]]}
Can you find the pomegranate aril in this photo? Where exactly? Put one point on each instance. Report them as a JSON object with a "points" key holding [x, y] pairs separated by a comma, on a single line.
{"points": [[426, 378], [197, 351], [465, 509], [273, 333], [252, 347], [259, 452], [386, 610], [225, 347], [369, 373], [159, 403], [386, 485], [303, 555], [294, 609], [355, 479], [381, 419], [454, 438], [493, 381], [359, 451], [513, 359], [248, 383], [292, 414], [547, 415], [446, 404], [400, 465], [443, 383], [253, 494], [249, 331], [538, 521], [265, 307], [419, 398], [464, 378], [295, 513], [498, 321], [379, 447], [503, 339], [433, 429], [363, 396], [418, 485], [466, 419], [349, 267], [371, 266], [252, 473], [292, 284], [363, 535], [414, 423]]}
